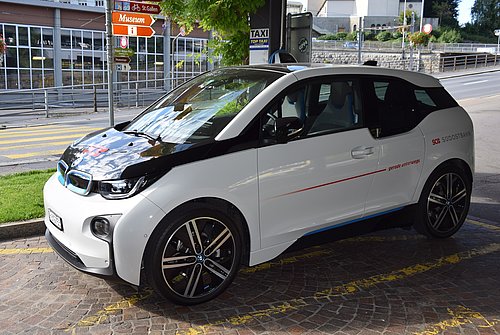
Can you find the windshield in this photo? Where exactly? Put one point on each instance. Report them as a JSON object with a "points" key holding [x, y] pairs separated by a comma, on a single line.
{"points": [[198, 110]]}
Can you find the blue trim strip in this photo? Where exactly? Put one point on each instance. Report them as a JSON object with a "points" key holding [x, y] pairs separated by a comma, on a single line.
{"points": [[353, 221]]}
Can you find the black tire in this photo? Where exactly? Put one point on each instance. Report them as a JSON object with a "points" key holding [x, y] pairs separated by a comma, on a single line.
{"points": [[209, 244], [444, 202]]}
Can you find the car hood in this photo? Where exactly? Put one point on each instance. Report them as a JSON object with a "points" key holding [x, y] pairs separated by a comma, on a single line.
{"points": [[112, 154]]}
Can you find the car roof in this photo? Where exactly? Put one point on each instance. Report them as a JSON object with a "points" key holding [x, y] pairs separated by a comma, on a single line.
{"points": [[307, 70]]}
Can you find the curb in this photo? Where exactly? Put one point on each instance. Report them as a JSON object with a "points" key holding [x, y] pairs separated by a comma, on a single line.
{"points": [[22, 229]]}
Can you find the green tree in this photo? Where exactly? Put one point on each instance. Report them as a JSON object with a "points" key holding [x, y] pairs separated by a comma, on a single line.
{"points": [[446, 11], [227, 18], [486, 15]]}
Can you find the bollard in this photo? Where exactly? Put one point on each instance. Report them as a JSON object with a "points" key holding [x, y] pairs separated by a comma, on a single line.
{"points": [[46, 102], [136, 94], [95, 99]]}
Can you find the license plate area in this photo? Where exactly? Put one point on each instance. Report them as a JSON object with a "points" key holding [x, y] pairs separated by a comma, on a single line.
{"points": [[55, 220]]}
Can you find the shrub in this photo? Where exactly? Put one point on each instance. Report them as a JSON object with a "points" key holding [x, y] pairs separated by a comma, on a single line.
{"points": [[383, 36]]}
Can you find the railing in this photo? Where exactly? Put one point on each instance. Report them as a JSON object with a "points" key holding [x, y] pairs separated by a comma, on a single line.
{"points": [[93, 96], [455, 63], [397, 46]]}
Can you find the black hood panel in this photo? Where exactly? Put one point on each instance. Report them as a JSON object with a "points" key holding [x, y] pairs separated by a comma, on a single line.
{"points": [[107, 153]]}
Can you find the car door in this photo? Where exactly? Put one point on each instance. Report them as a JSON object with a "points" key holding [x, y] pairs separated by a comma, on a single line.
{"points": [[321, 178], [393, 108]]}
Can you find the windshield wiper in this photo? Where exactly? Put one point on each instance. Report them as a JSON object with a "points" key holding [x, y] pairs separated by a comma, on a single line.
{"points": [[143, 134]]}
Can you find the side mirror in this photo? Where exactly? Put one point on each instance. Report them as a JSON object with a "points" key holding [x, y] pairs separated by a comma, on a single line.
{"points": [[287, 128]]}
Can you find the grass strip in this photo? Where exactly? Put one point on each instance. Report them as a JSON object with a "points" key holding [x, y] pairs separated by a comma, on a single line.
{"points": [[21, 195]]}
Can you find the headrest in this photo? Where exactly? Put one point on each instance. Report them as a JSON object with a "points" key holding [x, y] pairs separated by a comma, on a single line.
{"points": [[339, 90]]}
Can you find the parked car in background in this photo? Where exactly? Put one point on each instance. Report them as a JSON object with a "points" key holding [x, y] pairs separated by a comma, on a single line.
{"points": [[238, 164], [351, 44]]}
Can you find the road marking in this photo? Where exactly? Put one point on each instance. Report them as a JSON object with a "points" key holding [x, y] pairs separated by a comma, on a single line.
{"points": [[38, 139], [27, 146], [459, 316], [48, 132], [348, 288], [103, 314], [484, 225], [475, 82], [316, 253], [20, 251], [36, 153]]}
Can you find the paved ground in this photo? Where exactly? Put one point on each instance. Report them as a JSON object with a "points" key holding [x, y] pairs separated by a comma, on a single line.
{"points": [[389, 282]]}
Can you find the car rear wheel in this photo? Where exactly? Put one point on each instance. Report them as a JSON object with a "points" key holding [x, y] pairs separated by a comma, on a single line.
{"points": [[196, 257], [444, 202]]}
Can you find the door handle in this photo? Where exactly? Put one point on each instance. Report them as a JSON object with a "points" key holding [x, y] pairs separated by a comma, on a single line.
{"points": [[361, 152]]}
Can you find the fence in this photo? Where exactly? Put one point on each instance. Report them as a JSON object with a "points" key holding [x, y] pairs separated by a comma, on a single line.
{"points": [[125, 94], [397, 46]]}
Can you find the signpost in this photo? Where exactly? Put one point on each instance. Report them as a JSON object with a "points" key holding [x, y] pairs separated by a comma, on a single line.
{"points": [[138, 7], [497, 33], [122, 30], [137, 19]]}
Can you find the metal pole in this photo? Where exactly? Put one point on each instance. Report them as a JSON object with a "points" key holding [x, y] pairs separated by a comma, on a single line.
{"points": [[422, 15], [109, 57], [404, 27], [167, 85], [360, 32], [95, 99], [46, 102]]}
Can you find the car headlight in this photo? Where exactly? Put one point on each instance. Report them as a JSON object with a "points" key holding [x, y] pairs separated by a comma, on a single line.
{"points": [[124, 188]]}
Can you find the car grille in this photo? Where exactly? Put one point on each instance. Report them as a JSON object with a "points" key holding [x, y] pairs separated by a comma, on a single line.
{"points": [[77, 181]]}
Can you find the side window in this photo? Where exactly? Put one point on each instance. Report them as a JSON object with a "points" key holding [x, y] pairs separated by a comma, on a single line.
{"points": [[290, 104], [323, 106], [339, 107], [393, 105]]}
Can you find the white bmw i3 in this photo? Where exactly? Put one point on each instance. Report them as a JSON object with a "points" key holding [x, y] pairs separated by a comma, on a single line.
{"points": [[238, 164]]}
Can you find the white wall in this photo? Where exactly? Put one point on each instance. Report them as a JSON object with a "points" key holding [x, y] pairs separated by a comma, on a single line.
{"points": [[342, 8]]}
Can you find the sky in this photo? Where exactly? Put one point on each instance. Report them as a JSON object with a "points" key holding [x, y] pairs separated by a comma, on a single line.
{"points": [[464, 11]]}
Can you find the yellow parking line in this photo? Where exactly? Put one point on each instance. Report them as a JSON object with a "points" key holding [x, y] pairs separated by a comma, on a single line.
{"points": [[44, 144], [36, 153], [348, 288], [104, 313], [38, 139], [48, 132], [459, 316], [19, 251], [484, 225]]}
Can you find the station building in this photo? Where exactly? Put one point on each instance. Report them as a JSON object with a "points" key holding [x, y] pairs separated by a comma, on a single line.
{"points": [[62, 43]]}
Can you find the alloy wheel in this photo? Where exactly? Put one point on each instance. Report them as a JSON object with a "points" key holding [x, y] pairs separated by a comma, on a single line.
{"points": [[447, 203], [198, 257]]}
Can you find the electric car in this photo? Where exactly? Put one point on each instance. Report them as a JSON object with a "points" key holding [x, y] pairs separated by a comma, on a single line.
{"points": [[236, 165]]}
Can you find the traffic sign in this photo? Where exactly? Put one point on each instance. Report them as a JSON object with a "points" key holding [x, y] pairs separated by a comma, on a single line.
{"points": [[138, 7], [124, 42], [427, 28], [122, 67], [122, 59], [124, 52], [136, 19], [497, 32], [122, 30]]}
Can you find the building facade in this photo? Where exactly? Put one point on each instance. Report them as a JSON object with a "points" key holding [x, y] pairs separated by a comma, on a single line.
{"points": [[63, 43], [344, 14]]}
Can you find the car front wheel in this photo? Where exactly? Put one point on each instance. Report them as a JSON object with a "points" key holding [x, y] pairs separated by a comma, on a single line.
{"points": [[196, 257], [444, 202]]}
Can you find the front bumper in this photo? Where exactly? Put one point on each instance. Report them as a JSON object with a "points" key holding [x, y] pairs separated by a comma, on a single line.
{"points": [[118, 255], [72, 259]]}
